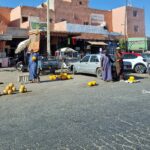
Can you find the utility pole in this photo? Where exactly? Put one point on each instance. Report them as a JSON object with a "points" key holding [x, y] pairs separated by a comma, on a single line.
{"points": [[125, 26], [48, 29]]}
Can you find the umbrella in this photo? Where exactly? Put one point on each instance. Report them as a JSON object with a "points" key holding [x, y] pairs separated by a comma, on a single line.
{"points": [[22, 45], [67, 49]]}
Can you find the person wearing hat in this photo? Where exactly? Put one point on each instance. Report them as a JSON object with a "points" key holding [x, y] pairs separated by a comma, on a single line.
{"points": [[33, 65], [119, 64]]}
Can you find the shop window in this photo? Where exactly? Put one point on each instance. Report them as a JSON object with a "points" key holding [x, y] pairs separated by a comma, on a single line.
{"points": [[136, 28], [134, 13], [24, 19]]}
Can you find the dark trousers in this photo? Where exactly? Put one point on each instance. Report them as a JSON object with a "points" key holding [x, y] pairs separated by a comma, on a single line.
{"points": [[119, 70]]}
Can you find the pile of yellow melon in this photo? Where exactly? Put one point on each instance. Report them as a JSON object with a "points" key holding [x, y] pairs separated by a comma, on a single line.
{"points": [[61, 76], [10, 89], [92, 83]]}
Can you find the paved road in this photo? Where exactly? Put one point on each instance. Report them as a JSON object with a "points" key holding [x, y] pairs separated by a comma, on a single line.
{"points": [[68, 115]]}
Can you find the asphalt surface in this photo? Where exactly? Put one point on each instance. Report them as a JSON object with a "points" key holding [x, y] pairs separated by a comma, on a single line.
{"points": [[69, 115]]}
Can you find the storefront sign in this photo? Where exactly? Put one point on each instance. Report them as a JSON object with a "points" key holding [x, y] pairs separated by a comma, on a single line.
{"points": [[137, 44], [38, 25]]}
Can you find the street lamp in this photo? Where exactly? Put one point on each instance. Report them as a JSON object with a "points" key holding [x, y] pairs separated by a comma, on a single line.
{"points": [[48, 29]]}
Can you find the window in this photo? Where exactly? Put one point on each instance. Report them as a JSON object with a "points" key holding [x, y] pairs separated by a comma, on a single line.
{"points": [[76, 17], [136, 28], [85, 59], [51, 20], [129, 56], [94, 59], [24, 19], [85, 23], [67, 1], [63, 19], [80, 2], [134, 13]]}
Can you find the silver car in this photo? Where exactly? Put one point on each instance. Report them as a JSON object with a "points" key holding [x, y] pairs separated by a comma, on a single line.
{"points": [[89, 64]]}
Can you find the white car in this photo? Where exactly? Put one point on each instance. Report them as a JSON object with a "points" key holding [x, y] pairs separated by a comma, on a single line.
{"points": [[138, 63], [89, 64]]}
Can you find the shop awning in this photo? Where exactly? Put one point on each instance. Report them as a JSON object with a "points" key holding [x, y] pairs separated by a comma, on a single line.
{"points": [[97, 43]]}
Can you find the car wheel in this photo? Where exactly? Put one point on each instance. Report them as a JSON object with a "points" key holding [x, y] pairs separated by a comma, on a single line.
{"points": [[74, 71], [140, 68], [98, 72]]}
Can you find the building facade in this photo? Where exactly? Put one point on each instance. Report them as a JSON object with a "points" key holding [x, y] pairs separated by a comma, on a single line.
{"points": [[71, 16]]}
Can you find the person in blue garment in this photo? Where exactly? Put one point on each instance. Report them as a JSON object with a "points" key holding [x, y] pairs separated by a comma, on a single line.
{"points": [[33, 65], [106, 66]]}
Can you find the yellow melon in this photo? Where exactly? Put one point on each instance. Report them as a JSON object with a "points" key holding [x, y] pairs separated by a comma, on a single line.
{"points": [[68, 77], [58, 77], [65, 74], [9, 92], [93, 82], [21, 90], [63, 77], [7, 88], [5, 91], [33, 58], [89, 83], [25, 89], [54, 77], [22, 86], [51, 77], [13, 89], [10, 85], [71, 76]]}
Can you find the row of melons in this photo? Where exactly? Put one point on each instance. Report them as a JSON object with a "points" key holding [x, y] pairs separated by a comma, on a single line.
{"points": [[62, 76], [92, 83]]}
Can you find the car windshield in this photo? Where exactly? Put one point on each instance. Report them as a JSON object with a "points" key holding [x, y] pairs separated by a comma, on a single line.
{"points": [[146, 56]]}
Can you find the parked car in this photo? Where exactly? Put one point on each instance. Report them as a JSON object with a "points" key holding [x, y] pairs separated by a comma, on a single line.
{"points": [[89, 64], [139, 64], [127, 65], [50, 63]]}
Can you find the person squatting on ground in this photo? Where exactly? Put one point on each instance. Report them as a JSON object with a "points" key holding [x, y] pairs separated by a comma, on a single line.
{"points": [[106, 66], [119, 64], [33, 66]]}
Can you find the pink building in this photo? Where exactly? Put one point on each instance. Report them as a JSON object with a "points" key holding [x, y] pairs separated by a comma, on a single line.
{"points": [[71, 16]]}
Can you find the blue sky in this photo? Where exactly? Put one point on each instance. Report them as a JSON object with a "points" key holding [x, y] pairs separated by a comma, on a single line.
{"points": [[98, 4]]}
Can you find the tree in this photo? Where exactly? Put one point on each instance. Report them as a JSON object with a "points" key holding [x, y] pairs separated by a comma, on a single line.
{"points": [[122, 44]]}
